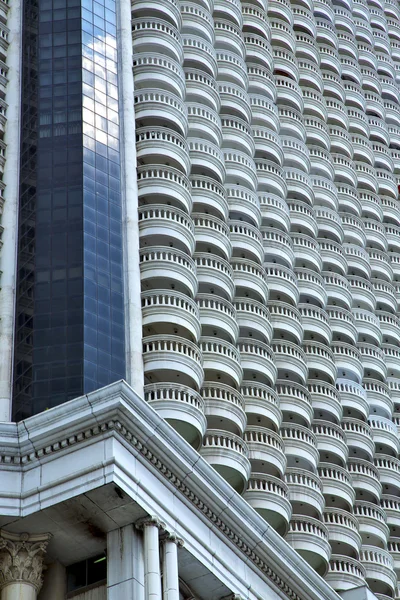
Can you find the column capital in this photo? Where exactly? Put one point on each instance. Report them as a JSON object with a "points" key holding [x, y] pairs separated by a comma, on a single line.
{"points": [[171, 537], [150, 521], [21, 558]]}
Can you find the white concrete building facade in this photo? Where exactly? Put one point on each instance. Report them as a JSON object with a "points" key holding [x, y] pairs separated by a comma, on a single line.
{"points": [[199, 299]]}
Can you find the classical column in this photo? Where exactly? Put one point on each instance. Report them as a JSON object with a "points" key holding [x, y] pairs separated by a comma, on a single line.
{"points": [[170, 545], [125, 564], [152, 571], [21, 565]]}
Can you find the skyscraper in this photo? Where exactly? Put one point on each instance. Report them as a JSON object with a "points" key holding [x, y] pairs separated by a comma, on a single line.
{"points": [[200, 299]]}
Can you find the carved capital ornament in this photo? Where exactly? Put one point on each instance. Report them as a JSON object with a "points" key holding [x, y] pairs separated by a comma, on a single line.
{"points": [[21, 558]]}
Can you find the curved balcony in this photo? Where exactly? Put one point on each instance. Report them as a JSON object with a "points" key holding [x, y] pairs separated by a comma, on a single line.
{"points": [[390, 327], [171, 357], [349, 200], [390, 210], [257, 360], [385, 294], [201, 87], [342, 324], [325, 193], [217, 315], [365, 478], [197, 21], [237, 134], [274, 210], [315, 321], [207, 158], [394, 135], [359, 438], [351, 69], [221, 361], [333, 85], [394, 549], [314, 104], [209, 196], [214, 274], [258, 49], [253, 318], [383, 161], [299, 185], [337, 289], [367, 324], [329, 58], [224, 406], [317, 132], [164, 184], [311, 286], [181, 406], [234, 101], [345, 573], [325, 400], [246, 241], [300, 446], [243, 204], [321, 162], [391, 355], [363, 292], [199, 52], [375, 234], [268, 144], [286, 318], [278, 246], [366, 177], [355, 95], [159, 225], [230, 10], [290, 361], [282, 282], [255, 18], [228, 454], [295, 402], [306, 252], [372, 523], [302, 217], [168, 10], [353, 229], [373, 360], [337, 485], [251, 277], [160, 264], [379, 571], [264, 112], [384, 433], [379, 397], [389, 473], [387, 183], [228, 36], [159, 145], [391, 506], [305, 492], [292, 123], [266, 451], [262, 404], [333, 256], [169, 108], [288, 92], [281, 9], [271, 178], [157, 36], [309, 537], [392, 235], [161, 308], [261, 80], [269, 497], [353, 398], [343, 531], [212, 232], [329, 224], [363, 149], [320, 361], [358, 260], [331, 442]]}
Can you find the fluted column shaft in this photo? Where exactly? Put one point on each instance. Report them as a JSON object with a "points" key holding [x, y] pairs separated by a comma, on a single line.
{"points": [[170, 568]]}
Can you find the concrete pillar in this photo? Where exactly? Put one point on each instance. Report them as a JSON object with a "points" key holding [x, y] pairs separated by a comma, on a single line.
{"points": [[21, 565], [132, 292], [8, 254], [151, 527], [125, 564], [55, 583], [170, 567]]}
